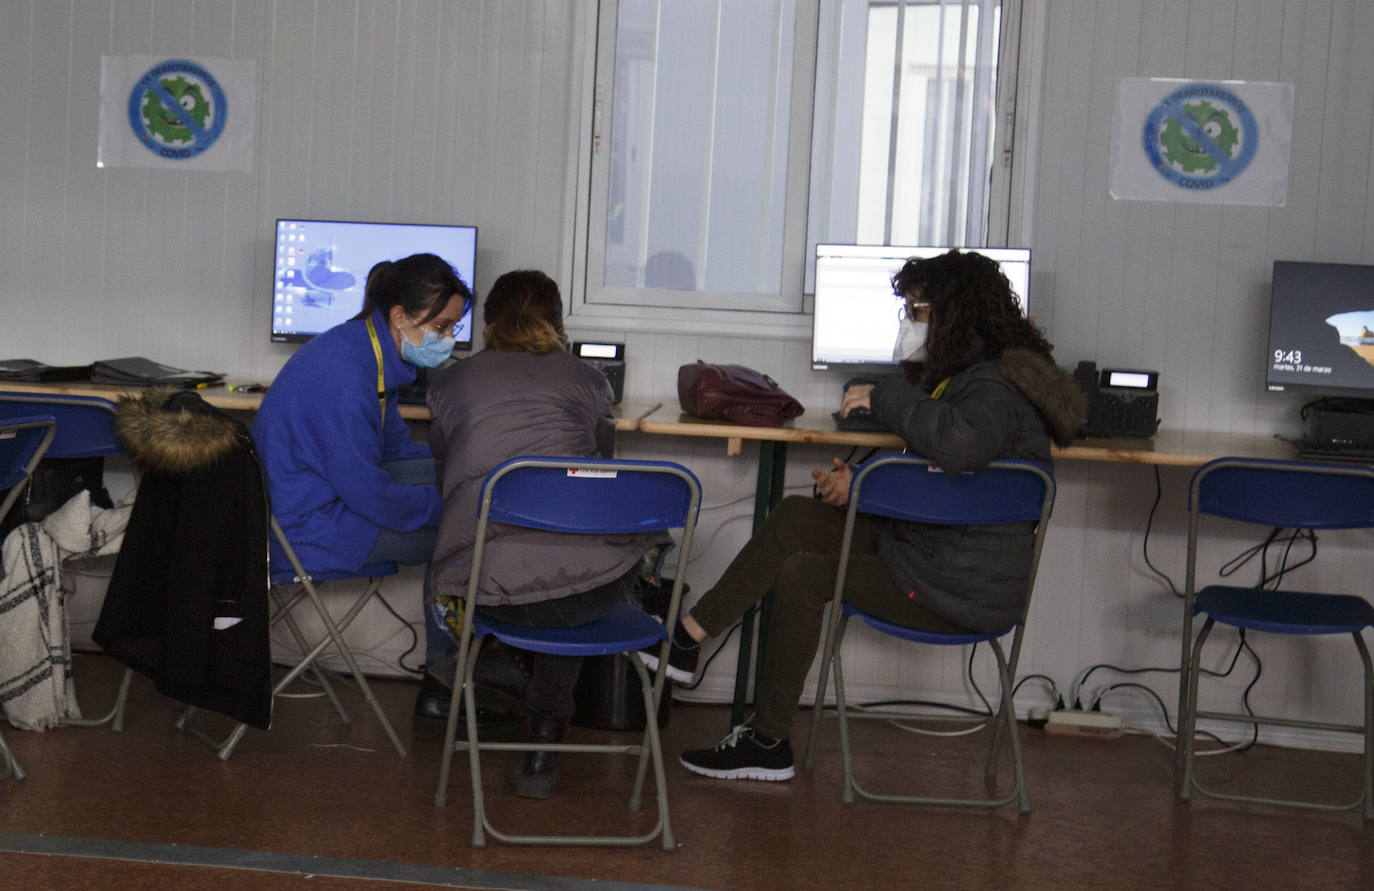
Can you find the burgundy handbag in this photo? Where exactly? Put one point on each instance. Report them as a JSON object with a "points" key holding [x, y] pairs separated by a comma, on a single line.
{"points": [[734, 393]]}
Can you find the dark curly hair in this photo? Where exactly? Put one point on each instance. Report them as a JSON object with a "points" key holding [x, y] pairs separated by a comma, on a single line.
{"points": [[974, 315]]}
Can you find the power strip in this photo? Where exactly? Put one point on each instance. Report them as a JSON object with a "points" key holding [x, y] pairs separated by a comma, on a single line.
{"points": [[1081, 723]]}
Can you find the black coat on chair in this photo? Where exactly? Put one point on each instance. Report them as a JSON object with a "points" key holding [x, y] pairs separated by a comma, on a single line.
{"points": [[194, 560]]}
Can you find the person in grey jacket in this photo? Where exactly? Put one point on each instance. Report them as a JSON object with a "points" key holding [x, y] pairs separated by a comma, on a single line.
{"points": [[525, 394], [987, 389]]}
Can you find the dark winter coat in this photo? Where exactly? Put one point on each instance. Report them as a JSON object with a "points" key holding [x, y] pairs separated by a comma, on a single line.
{"points": [[975, 576], [195, 550]]}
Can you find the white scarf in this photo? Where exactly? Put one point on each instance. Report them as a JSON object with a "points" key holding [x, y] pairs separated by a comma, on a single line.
{"points": [[36, 689]]}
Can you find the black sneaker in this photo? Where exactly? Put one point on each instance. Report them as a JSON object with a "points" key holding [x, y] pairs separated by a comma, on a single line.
{"points": [[682, 658], [743, 755]]}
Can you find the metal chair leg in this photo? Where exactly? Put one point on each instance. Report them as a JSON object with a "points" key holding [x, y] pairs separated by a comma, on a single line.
{"points": [[321, 675], [1187, 721], [337, 638], [651, 749], [9, 762], [1368, 727], [841, 712], [1008, 715], [465, 646], [479, 805], [115, 716], [809, 756]]}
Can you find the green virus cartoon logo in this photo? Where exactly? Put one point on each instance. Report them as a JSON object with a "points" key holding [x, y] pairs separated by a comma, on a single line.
{"points": [[177, 109], [1186, 153], [1201, 136], [163, 122]]}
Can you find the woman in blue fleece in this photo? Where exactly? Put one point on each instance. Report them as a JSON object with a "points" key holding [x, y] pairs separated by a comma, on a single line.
{"points": [[345, 481]]}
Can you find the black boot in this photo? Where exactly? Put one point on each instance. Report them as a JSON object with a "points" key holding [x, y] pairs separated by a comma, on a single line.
{"points": [[431, 714], [538, 772]]}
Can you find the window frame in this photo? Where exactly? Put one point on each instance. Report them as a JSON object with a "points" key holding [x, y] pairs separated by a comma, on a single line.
{"points": [[784, 315]]}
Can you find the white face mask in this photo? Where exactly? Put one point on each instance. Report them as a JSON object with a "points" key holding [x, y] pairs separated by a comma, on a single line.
{"points": [[911, 341]]}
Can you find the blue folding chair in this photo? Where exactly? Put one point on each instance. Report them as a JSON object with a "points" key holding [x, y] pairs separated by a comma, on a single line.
{"points": [[23, 441], [1291, 495], [285, 570], [85, 429], [85, 424], [910, 488], [576, 496]]}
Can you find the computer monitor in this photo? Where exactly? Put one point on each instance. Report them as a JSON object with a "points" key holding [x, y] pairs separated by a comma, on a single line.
{"points": [[319, 269], [1321, 329], [855, 321]]}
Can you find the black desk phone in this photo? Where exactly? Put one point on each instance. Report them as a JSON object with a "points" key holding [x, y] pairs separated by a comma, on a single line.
{"points": [[1121, 402], [609, 359]]}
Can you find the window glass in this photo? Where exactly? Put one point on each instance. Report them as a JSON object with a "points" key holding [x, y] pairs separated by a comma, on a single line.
{"points": [[698, 145], [731, 136]]}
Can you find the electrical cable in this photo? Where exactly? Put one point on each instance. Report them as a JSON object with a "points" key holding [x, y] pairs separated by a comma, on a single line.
{"points": [[1145, 543], [701, 672], [700, 551], [1171, 738], [1239, 746], [414, 639], [974, 683], [1261, 550], [1077, 686], [1054, 689]]}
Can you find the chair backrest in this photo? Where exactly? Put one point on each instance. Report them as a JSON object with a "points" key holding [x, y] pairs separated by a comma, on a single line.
{"points": [[908, 487], [23, 442], [590, 495], [1291, 494], [605, 496], [85, 424]]}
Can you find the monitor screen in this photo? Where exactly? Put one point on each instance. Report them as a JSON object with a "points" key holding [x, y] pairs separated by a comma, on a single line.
{"points": [[1321, 328], [855, 321], [320, 269]]}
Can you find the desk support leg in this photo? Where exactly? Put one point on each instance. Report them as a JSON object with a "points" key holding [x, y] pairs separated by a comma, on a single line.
{"points": [[767, 493]]}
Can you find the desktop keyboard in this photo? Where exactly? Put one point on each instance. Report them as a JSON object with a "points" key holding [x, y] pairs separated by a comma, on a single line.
{"points": [[412, 394], [859, 420]]}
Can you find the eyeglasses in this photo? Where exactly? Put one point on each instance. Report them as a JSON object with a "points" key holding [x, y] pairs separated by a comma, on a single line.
{"points": [[440, 326], [909, 309]]}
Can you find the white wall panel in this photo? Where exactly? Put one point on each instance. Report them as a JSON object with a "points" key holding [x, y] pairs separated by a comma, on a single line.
{"points": [[1184, 288]]}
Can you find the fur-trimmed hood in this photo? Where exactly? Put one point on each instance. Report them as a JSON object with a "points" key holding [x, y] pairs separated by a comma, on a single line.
{"points": [[174, 432], [1054, 394]]}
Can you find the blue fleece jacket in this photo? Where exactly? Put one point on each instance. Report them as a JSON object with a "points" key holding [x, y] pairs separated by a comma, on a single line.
{"points": [[322, 440]]}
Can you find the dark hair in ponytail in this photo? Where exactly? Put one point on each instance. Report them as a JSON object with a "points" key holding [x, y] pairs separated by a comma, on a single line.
{"points": [[421, 285], [523, 312]]}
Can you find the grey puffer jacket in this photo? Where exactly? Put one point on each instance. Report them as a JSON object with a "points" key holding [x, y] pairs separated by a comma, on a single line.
{"points": [[500, 405], [975, 576]]}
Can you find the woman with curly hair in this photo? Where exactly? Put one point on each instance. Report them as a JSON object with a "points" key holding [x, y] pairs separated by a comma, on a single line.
{"points": [[986, 389]]}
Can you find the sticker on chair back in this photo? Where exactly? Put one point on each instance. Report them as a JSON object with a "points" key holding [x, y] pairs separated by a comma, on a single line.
{"points": [[588, 473]]}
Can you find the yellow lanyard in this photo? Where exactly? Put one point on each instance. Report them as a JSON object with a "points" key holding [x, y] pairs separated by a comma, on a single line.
{"points": [[381, 375], [939, 388]]}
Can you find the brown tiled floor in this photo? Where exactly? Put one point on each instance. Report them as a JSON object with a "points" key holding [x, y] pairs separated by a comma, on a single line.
{"points": [[1103, 812]]}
